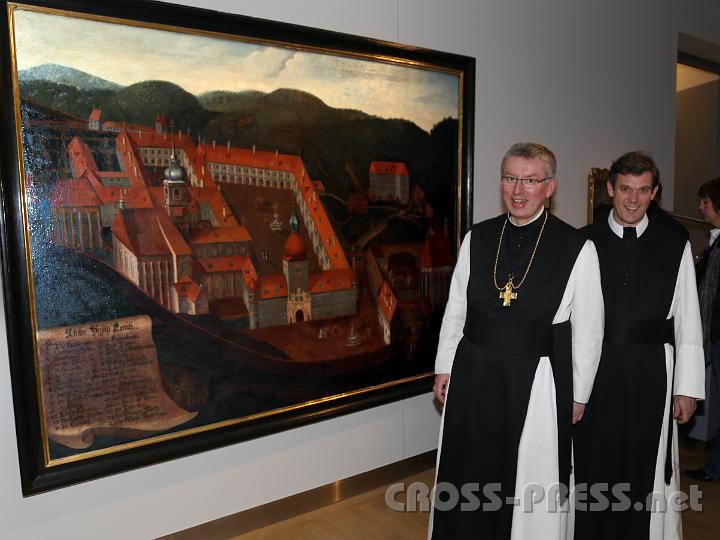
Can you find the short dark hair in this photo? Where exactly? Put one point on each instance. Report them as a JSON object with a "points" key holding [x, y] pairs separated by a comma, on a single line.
{"points": [[711, 190], [634, 163]]}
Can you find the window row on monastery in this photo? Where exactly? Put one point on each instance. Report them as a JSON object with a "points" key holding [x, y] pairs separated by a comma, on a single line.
{"points": [[78, 228], [251, 176]]}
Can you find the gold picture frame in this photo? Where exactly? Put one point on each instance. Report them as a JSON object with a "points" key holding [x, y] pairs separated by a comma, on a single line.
{"points": [[597, 191]]}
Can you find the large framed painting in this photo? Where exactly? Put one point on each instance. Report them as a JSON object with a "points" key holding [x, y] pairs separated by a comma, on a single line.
{"points": [[217, 227]]}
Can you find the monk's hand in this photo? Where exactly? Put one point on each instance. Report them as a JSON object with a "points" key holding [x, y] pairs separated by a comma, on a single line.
{"points": [[578, 411], [440, 388], [683, 408]]}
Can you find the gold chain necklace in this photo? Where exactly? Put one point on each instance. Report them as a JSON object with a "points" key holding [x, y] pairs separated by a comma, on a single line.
{"points": [[506, 292]]}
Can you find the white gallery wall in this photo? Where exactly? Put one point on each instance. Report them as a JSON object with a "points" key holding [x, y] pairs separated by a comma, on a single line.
{"points": [[589, 79]]}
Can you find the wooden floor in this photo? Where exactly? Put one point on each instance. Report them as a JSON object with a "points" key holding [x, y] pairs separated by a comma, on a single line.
{"points": [[367, 517], [363, 517]]}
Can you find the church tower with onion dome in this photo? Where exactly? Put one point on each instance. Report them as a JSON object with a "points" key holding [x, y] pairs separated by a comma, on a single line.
{"points": [[295, 268], [176, 194]]}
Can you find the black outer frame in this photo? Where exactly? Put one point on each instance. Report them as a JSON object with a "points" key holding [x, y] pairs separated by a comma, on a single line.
{"points": [[36, 476]]}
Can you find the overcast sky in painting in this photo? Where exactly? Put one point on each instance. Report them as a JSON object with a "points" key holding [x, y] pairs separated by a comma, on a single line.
{"points": [[127, 54]]}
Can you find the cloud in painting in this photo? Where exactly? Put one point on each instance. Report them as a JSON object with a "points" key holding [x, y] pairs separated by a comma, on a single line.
{"points": [[200, 63]]}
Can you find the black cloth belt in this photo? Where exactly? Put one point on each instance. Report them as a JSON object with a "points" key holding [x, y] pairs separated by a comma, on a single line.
{"points": [[533, 340], [639, 331]]}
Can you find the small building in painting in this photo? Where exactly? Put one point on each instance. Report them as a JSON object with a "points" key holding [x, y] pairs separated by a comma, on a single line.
{"points": [[390, 180]]}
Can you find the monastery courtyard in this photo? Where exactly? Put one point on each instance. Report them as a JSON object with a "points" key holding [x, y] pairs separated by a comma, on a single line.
{"points": [[255, 207]]}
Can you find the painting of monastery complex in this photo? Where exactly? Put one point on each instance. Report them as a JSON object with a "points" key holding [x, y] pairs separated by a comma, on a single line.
{"points": [[277, 249]]}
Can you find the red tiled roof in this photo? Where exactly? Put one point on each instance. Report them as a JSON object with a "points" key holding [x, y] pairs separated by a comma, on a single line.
{"points": [[74, 193], [148, 232], [273, 286], [81, 156], [149, 138], [387, 302], [134, 197], [245, 157], [235, 263], [216, 200], [336, 254], [95, 115], [185, 286], [389, 167], [130, 158], [249, 273], [218, 235], [152, 139]]}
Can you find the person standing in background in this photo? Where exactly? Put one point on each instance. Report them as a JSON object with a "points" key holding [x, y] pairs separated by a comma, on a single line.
{"points": [[708, 276]]}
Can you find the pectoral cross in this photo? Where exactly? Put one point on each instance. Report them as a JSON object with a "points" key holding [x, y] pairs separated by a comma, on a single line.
{"points": [[506, 294]]}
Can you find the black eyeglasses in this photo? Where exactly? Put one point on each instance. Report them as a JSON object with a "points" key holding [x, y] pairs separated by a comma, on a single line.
{"points": [[527, 182]]}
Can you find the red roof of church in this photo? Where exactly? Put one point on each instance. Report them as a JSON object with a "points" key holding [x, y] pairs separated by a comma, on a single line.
{"points": [[148, 232], [74, 193], [134, 197]]}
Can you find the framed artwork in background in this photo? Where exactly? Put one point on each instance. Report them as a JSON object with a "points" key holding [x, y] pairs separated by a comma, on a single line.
{"points": [[216, 227]]}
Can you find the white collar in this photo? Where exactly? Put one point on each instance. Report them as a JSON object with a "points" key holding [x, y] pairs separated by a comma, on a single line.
{"points": [[713, 235], [512, 220], [618, 229]]}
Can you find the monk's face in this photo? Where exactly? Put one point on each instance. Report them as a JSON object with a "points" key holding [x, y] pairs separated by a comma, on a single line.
{"points": [[523, 201], [631, 197]]}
